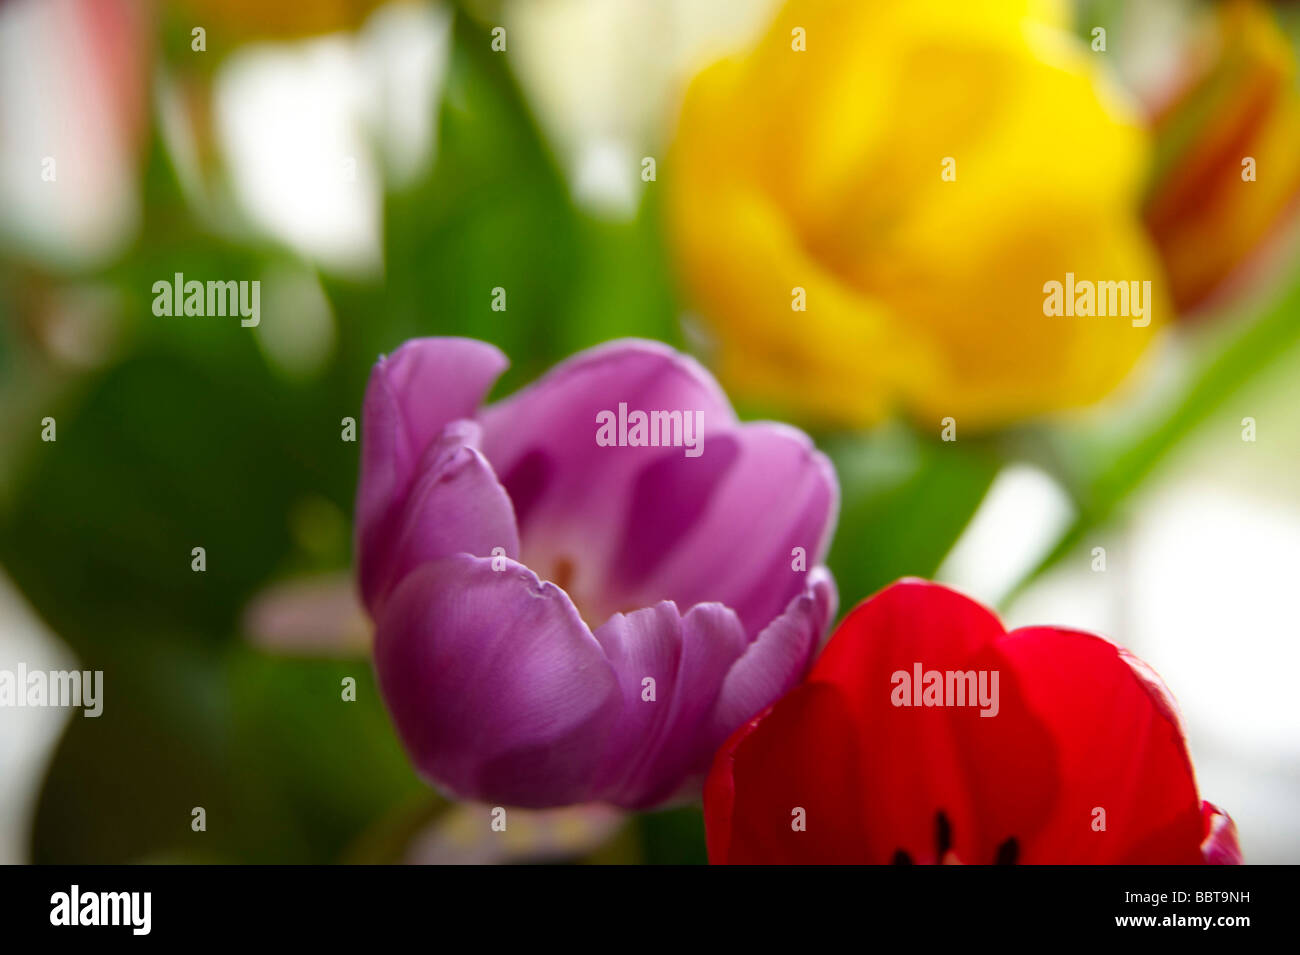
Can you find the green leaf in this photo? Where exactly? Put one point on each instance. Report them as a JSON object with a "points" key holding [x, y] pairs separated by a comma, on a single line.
{"points": [[321, 768], [673, 837], [1101, 467], [492, 213], [121, 786], [904, 502], [495, 212]]}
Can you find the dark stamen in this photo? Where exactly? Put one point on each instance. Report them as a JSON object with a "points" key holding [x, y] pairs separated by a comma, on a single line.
{"points": [[902, 858], [942, 835], [1008, 852]]}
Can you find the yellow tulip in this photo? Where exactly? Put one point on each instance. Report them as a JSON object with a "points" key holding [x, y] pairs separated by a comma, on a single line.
{"points": [[921, 170]]}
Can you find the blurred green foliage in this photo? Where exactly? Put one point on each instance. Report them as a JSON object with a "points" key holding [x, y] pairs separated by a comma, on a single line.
{"points": [[192, 439]]}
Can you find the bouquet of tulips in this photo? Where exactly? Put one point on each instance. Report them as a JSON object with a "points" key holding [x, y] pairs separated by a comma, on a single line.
{"points": [[631, 544]]}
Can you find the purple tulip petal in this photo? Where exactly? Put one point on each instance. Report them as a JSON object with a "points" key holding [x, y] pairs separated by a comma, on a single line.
{"points": [[723, 527], [497, 688], [412, 395], [455, 506], [662, 743], [780, 657], [571, 495]]}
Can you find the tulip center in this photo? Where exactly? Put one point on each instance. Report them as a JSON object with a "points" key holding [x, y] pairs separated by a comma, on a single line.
{"points": [[562, 576], [574, 578], [565, 573], [1007, 853]]}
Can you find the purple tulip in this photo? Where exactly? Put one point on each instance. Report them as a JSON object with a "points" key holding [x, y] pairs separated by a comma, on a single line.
{"points": [[525, 576]]}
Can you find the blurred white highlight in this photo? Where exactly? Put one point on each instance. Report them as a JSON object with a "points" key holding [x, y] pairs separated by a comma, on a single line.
{"points": [[307, 128], [1022, 516], [71, 91], [28, 735]]}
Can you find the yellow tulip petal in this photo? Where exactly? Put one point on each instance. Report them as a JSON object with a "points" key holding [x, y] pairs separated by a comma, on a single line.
{"points": [[821, 168]]}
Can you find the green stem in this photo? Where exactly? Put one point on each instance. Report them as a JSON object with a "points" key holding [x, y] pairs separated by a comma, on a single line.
{"points": [[1223, 373]]}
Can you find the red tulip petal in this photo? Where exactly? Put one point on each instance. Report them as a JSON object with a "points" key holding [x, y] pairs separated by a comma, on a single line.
{"points": [[1120, 749], [992, 778], [880, 775], [1219, 847], [1080, 725], [800, 796]]}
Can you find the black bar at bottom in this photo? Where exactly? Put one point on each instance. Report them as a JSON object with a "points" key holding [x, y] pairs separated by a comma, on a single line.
{"points": [[569, 905]]}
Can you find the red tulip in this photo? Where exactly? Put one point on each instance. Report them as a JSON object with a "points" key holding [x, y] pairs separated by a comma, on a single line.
{"points": [[927, 733]]}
